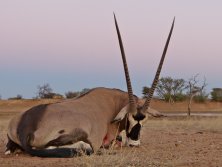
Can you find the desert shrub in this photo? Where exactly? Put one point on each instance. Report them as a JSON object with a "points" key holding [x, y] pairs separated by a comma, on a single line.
{"points": [[57, 96], [46, 92], [145, 91], [179, 97], [85, 90], [71, 94], [175, 97], [216, 94], [18, 97], [167, 97], [200, 98], [53, 96]]}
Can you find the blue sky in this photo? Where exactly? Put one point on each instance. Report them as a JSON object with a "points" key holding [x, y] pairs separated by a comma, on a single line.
{"points": [[73, 44]]}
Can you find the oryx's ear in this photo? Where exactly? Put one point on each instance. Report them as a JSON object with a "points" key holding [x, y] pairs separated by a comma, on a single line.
{"points": [[121, 115]]}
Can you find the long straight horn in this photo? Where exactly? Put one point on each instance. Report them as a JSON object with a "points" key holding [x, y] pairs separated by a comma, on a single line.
{"points": [[156, 79], [128, 82]]}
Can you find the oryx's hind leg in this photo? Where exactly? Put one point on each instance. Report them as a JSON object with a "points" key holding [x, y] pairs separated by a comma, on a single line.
{"points": [[12, 147], [77, 141]]}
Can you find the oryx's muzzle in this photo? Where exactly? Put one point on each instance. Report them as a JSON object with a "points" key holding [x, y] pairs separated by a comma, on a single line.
{"points": [[132, 143], [133, 132]]}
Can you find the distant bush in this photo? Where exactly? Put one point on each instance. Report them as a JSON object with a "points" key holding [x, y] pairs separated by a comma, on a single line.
{"points": [[200, 98], [216, 94], [175, 98], [179, 97], [57, 96], [145, 91], [71, 94], [46, 92], [18, 97], [85, 90], [52, 96]]}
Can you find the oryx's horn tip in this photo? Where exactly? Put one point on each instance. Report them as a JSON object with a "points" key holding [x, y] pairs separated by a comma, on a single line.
{"points": [[174, 19], [114, 15]]}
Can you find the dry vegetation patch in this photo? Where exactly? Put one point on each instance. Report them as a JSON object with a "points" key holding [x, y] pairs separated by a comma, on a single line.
{"points": [[196, 123]]}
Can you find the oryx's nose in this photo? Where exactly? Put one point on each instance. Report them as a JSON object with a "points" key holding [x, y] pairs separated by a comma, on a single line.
{"points": [[134, 145], [119, 138]]}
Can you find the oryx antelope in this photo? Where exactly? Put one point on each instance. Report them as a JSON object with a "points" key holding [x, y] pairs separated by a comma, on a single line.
{"points": [[84, 124]]}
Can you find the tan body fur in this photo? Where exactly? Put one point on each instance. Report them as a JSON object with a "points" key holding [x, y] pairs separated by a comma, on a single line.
{"points": [[91, 113]]}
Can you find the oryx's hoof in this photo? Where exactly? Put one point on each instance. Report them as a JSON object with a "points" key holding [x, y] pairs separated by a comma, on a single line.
{"points": [[89, 151]]}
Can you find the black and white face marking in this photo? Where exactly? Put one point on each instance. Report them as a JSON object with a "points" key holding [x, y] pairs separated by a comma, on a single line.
{"points": [[134, 125]]}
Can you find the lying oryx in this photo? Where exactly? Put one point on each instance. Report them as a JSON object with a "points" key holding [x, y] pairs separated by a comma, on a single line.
{"points": [[67, 128]]}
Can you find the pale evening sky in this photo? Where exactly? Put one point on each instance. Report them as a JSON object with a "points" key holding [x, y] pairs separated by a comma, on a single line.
{"points": [[72, 44]]}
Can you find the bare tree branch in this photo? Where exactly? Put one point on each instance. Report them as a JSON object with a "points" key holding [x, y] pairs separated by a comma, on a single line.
{"points": [[195, 89]]}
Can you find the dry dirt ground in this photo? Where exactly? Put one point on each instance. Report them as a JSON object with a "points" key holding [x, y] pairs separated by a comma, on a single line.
{"points": [[178, 142]]}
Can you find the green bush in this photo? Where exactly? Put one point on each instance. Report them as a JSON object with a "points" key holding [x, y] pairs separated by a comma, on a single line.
{"points": [[176, 98], [145, 91], [200, 98], [179, 97], [216, 94]]}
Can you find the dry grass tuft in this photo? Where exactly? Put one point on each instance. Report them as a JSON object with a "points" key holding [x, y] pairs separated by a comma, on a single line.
{"points": [[129, 157]]}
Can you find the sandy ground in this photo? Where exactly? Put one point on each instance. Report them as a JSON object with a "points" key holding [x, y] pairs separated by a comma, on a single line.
{"points": [[165, 142]]}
